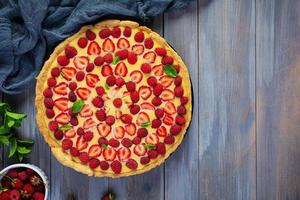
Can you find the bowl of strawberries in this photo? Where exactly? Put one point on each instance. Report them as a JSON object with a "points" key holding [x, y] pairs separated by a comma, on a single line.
{"points": [[23, 182]]}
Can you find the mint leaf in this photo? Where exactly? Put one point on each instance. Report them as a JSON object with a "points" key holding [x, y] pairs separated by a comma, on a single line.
{"points": [[77, 106], [16, 116], [23, 150], [116, 60], [20, 157], [106, 86], [25, 142], [65, 127], [13, 147], [4, 130], [103, 146], [3, 108], [170, 71], [145, 124], [4, 140], [150, 146]]}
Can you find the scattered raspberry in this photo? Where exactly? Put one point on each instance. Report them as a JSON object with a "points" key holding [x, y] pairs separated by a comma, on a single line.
{"points": [[131, 58], [53, 126], [113, 142], [108, 58], [83, 157], [120, 82], [116, 166], [152, 154], [126, 118], [90, 67], [80, 76], [126, 142], [51, 82], [127, 31], [122, 54], [131, 164], [58, 134], [66, 144], [98, 102], [146, 68], [102, 141], [156, 101], [104, 165], [110, 120], [175, 129], [139, 36], [94, 163], [63, 60], [74, 152], [104, 33], [90, 35], [144, 160], [100, 90], [99, 61], [178, 91], [180, 120], [142, 132], [169, 139], [116, 32], [134, 109], [160, 148], [55, 72], [88, 136], [160, 51], [181, 110], [178, 81], [148, 43], [80, 131], [130, 86], [155, 123], [111, 80], [82, 42], [159, 113], [151, 81], [73, 86], [158, 89], [117, 102], [72, 96], [70, 52], [134, 96], [167, 60], [183, 100], [136, 140], [50, 113], [101, 115]]}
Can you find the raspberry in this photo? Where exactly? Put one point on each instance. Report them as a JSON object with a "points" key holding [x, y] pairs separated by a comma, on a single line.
{"points": [[63, 60], [51, 82], [83, 157], [72, 96], [55, 72], [90, 35], [139, 36], [126, 142], [156, 101], [50, 113], [13, 195], [160, 148], [98, 102], [134, 109], [94, 163], [131, 164], [38, 196], [53, 126], [80, 131], [116, 32], [122, 54], [73, 86], [146, 68], [181, 110], [48, 102], [66, 144], [88, 136], [28, 188], [12, 173], [180, 120], [169, 139], [117, 102], [101, 115], [47, 92], [183, 100], [131, 58], [134, 96], [177, 68], [108, 58], [70, 52], [159, 113], [120, 82], [110, 120], [102, 140], [151, 81], [90, 67], [80, 76], [178, 91], [144, 160], [58, 134], [116, 166], [82, 42], [74, 152], [126, 118], [111, 80], [148, 43], [100, 90], [99, 61], [158, 89], [167, 60], [104, 165], [175, 129], [113, 142], [127, 31], [136, 140], [22, 175], [142, 132], [160, 51], [130, 86], [155, 123], [104, 33], [178, 81], [152, 154]]}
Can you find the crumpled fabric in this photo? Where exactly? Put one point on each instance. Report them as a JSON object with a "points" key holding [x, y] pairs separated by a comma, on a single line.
{"points": [[30, 29]]}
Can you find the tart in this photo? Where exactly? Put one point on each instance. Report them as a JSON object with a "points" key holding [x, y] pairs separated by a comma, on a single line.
{"points": [[113, 100]]}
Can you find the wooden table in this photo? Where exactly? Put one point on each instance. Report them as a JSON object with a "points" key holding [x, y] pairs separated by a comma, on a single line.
{"points": [[244, 139]]}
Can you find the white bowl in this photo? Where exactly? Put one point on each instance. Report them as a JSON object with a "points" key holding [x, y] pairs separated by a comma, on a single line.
{"points": [[34, 168]]}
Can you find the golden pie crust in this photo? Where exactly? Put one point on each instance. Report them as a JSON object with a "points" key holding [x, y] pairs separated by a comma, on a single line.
{"points": [[42, 121]]}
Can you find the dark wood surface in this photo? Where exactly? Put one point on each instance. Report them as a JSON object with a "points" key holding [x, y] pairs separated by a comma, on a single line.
{"points": [[244, 139]]}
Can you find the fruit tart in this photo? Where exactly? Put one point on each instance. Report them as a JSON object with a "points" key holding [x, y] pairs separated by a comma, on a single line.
{"points": [[113, 100]]}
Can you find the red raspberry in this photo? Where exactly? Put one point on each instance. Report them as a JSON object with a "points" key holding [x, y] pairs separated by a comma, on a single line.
{"points": [[88, 136], [177, 68], [90, 67], [181, 110], [108, 58], [151, 81], [98, 102], [51, 82], [111, 80], [155, 123], [63, 60], [180, 120], [102, 140], [71, 113], [134, 109], [159, 113], [82, 42], [160, 51], [178, 91], [58, 134], [28, 188], [146, 68], [144, 160], [53, 126], [117, 102], [142, 132], [104, 165], [13, 195], [80, 76], [55, 72], [99, 61], [113, 142], [116, 166], [152, 154], [74, 152], [158, 89], [134, 96], [38, 196], [160, 148], [104, 33], [183, 100], [70, 52], [148, 43], [156, 101], [72, 96], [126, 118], [175, 129], [50, 113], [136, 140], [101, 115], [120, 82], [17, 183], [94, 163], [139, 36], [122, 54], [178, 81], [116, 32], [130, 86], [73, 86], [80, 131], [100, 90], [66, 144], [126, 142], [127, 31], [131, 58], [84, 157], [48, 102], [169, 139], [131, 164], [90, 35], [167, 60], [110, 120]]}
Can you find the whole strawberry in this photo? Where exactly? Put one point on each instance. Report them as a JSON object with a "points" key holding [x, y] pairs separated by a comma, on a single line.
{"points": [[15, 195], [17, 183], [38, 196], [108, 196]]}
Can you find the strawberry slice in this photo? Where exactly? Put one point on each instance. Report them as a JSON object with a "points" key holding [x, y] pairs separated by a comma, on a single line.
{"points": [[61, 103], [124, 153], [145, 92], [106, 71], [83, 93], [62, 118], [86, 111], [109, 154], [147, 106], [81, 143], [108, 45], [121, 69], [118, 114], [170, 108], [119, 132], [138, 49], [151, 139], [142, 118], [103, 129], [70, 133], [125, 94], [123, 43], [161, 131], [158, 70], [166, 81], [130, 129], [94, 48], [168, 120], [167, 95], [105, 97], [68, 72], [94, 151], [140, 150], [91, 79], [150, 57], [136, 76], [81, 62], [61, 88], [89, 123]]}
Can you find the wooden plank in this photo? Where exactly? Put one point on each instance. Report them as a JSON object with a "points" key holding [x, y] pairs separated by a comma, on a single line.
{"points": [[227, 165], [181, 169], [278, 99], [151, 184]]}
